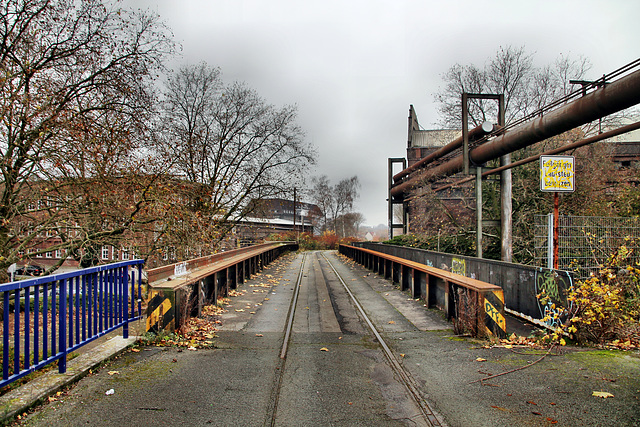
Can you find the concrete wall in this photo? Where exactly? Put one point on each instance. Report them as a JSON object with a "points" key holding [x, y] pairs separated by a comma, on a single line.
{"points": [[520, 283]]}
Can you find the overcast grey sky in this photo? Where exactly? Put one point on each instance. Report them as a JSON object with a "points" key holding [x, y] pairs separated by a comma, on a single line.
{"points": [[354, 67]]}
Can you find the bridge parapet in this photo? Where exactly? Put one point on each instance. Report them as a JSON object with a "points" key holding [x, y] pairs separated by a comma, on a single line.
{"points": [[180, 290], [520, 283], [475, 306]]}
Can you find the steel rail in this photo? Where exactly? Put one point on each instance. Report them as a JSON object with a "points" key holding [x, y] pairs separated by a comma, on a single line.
{"points": [[406, 378], [270, 417], [292, 311]]}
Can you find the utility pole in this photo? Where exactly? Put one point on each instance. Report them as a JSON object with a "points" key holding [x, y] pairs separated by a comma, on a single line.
{"points": [[295, 194]]}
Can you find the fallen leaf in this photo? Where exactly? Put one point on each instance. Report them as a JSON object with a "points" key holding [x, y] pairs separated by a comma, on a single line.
{"points": [[239, 309], [602, 394], [259, 335], [531, 402], [135, 350], [497, 407], [480, 359], [391, 322], [113, 372], [324, 349], [192, 348]]}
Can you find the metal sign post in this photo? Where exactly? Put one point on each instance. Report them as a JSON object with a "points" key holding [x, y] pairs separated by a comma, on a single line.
{"points": [[557, 175]]}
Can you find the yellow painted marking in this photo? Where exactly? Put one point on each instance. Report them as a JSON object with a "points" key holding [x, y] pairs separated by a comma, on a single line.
{"points": [[154, 317], [495, 315]]}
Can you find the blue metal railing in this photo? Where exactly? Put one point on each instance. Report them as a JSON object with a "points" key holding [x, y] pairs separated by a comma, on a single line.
{"points": [[54, 315]]}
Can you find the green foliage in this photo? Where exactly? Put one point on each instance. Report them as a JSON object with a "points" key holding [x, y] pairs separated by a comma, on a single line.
{"points": [[461, 244], [627, 201], [605, 308], [310, 242]]}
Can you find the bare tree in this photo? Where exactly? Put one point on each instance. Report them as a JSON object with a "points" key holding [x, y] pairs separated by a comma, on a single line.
{"points": [[349, 224], [230, 141], [345, 195], [75, 91], [322, 196], [511, 72], [335, 202]]}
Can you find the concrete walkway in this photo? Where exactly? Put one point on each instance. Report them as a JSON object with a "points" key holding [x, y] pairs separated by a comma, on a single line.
{"points": [[21, 399]]}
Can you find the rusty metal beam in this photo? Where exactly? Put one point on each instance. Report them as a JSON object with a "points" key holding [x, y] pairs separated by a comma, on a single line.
{"points": [[606, 135], [609, 99], [474, 134]]}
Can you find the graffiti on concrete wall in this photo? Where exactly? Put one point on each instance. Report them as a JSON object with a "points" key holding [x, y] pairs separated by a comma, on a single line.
{"points": [[459, 266], [551, 290]]}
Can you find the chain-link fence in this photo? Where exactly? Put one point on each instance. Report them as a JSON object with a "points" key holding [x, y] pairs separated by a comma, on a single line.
{"points": [[585, 242]]}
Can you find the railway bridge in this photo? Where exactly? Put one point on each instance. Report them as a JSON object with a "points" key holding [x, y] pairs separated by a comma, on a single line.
{"points": [[316, 338]]}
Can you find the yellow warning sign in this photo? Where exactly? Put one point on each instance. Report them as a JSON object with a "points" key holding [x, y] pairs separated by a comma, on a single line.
{"points": [[557, 173], [495, 315]]}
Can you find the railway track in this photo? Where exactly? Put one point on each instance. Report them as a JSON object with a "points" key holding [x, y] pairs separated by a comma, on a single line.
{"points": [[325, 270], [304, 343]]}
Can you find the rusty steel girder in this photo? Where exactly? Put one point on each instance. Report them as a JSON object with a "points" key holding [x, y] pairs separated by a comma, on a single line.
{"points": [[475, 133], [608, 99]]}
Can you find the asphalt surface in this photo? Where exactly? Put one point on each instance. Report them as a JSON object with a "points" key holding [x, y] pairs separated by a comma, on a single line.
{"points": [[336, 374]]}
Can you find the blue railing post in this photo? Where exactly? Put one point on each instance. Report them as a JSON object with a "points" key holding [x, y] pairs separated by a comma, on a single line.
{"points": [[69, 301], [27, 328], [124, 304], [100, 300], [16, 331], [5, 336], [62, 363], [139, 293], [45, 322], [36, 325], [54, 310]]}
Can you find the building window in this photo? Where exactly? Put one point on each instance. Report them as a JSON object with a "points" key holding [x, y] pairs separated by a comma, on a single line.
{"points": [[49, 254], [105, 252], [125, 255], [58, 253]]}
